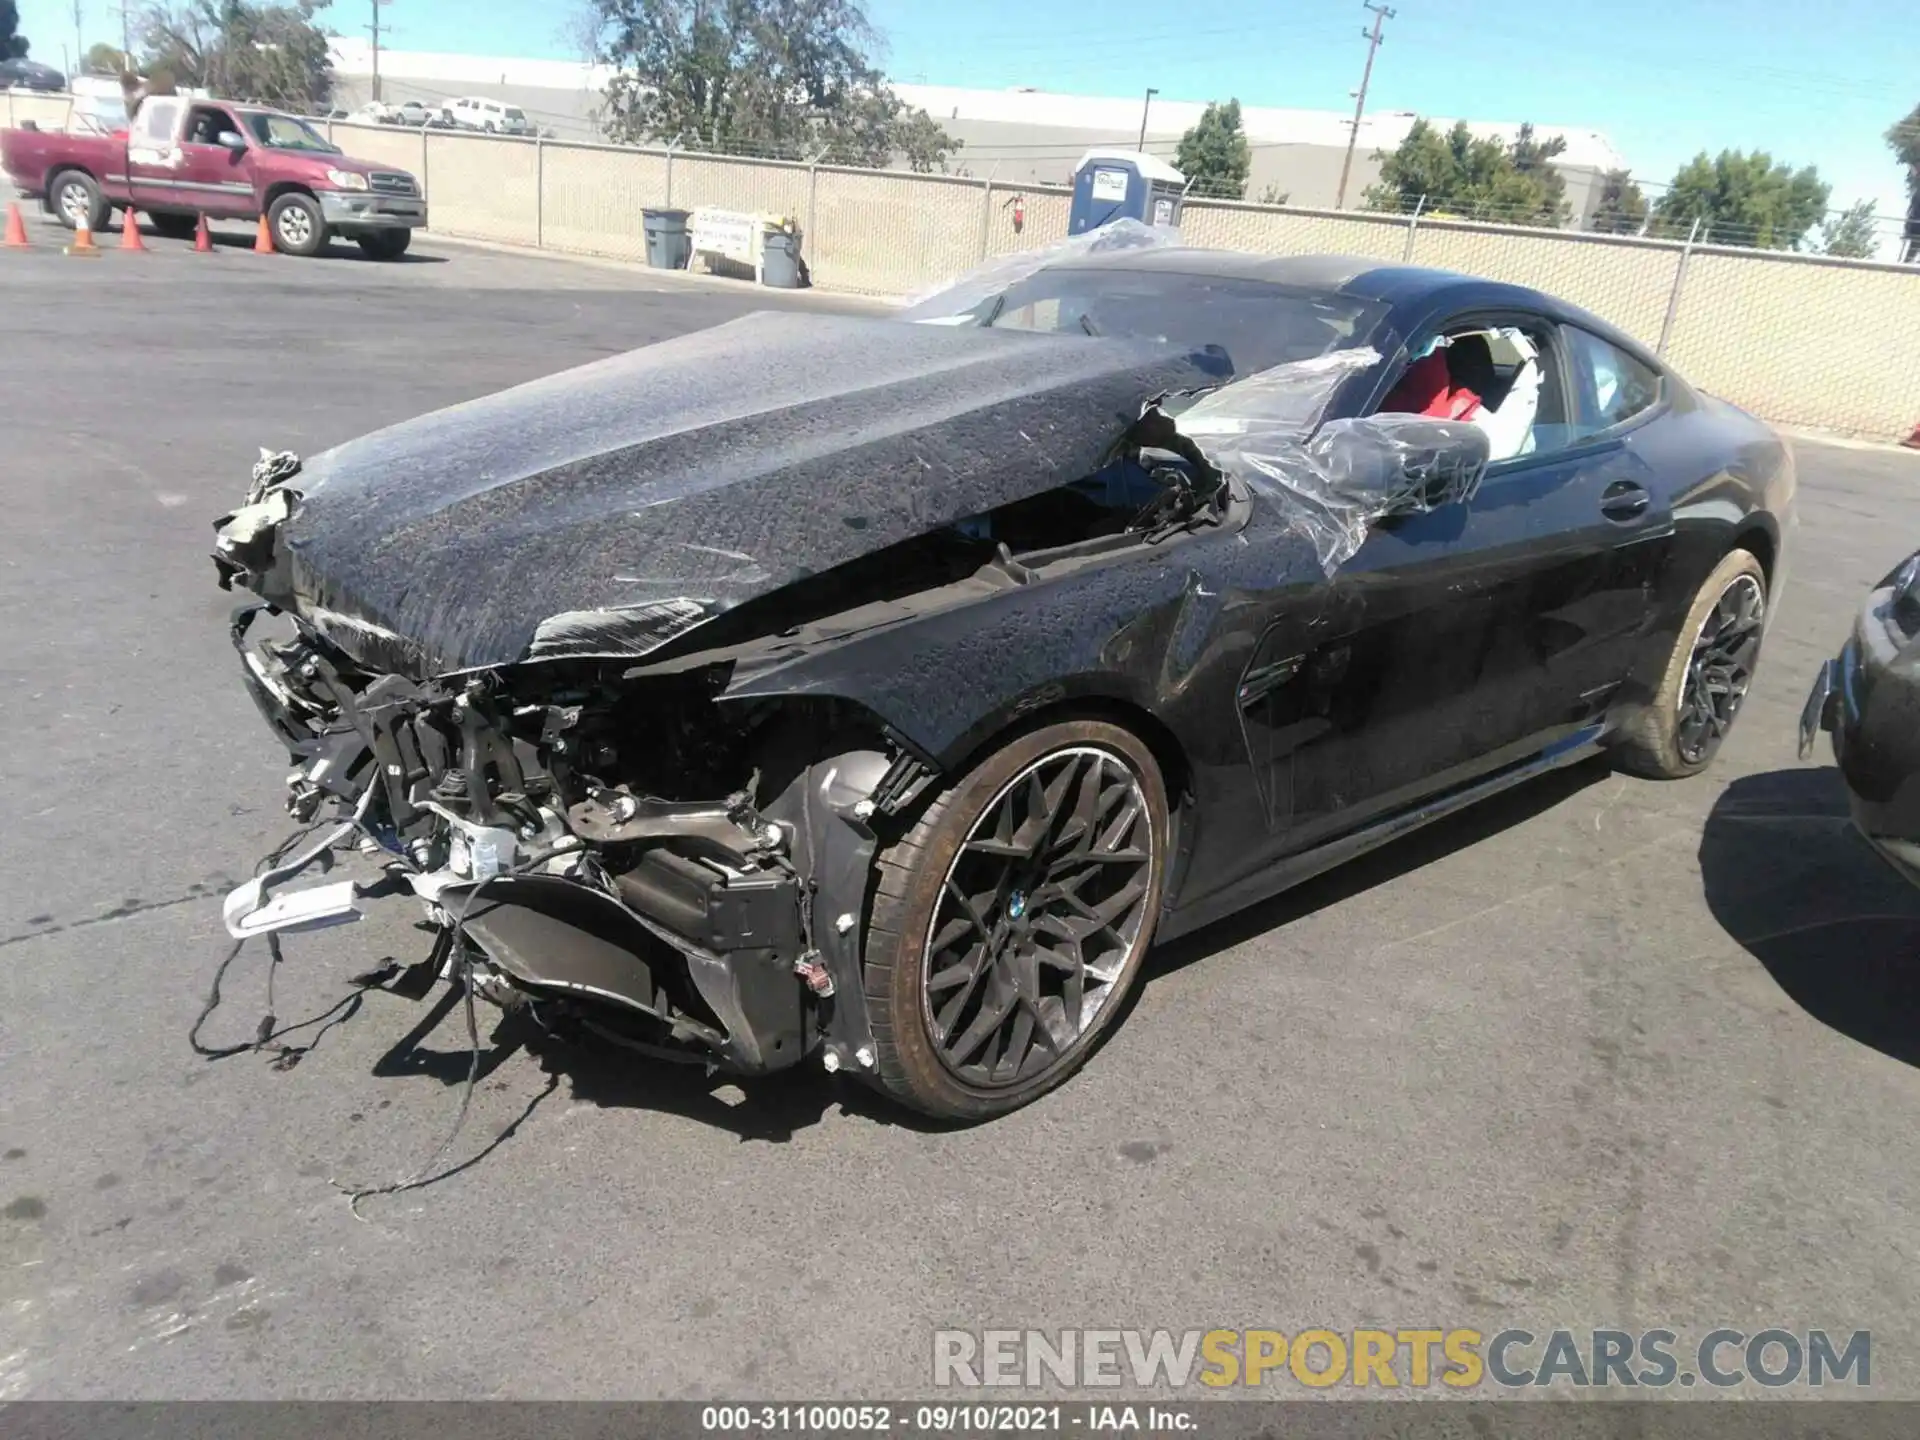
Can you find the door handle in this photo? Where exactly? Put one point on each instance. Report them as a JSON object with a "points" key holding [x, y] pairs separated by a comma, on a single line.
{"points": [[1624, 500]]}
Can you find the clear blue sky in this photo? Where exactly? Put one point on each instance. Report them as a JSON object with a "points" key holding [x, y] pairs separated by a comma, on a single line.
{"points": [[1810, 81]]}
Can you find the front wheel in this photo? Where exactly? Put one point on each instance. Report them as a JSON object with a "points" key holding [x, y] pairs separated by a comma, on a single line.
{"points": [[384, 244], [1707, 676], [297, 226], [1009, 924]]}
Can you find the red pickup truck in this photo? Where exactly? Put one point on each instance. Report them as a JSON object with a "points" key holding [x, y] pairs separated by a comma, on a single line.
{"points": [[182, 158]]}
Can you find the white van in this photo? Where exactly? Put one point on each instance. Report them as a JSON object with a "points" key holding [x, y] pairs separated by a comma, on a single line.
{"points": [[492, 116]]}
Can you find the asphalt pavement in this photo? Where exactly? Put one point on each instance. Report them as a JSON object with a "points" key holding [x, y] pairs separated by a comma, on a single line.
{"points": [[1604, 1053]]}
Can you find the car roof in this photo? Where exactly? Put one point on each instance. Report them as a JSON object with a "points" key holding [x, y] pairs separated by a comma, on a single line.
{"points": [[1402, 288]]}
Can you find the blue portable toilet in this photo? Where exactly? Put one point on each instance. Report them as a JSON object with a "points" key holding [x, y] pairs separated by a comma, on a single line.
{"points": [[1124, 185]]}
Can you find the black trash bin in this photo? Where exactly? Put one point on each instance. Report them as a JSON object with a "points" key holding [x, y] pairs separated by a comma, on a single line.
{"points": [[780, 260], [669, 246]]}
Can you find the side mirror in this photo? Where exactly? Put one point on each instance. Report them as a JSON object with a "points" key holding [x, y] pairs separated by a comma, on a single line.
{"points": [[1402, 464], [232, 140]]}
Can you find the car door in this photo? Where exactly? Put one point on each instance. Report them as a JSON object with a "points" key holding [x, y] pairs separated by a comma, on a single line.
{"points": [[1455, 641], [154, 159], [199, 173]]}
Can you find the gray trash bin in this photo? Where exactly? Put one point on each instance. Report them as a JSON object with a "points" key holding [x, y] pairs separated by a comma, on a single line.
{"points": [[669, 246], [780, 260]]}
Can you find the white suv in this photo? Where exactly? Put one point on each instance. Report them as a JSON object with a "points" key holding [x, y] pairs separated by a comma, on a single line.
{"points": [[489, 115]]}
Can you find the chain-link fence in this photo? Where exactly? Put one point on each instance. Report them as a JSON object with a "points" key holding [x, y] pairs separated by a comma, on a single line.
{"points": [[1800, 339]]}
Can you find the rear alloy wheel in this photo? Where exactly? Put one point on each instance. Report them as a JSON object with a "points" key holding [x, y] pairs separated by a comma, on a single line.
{"points": [[74, 195], [1707, 676], [1010, 923], [297, 226]]}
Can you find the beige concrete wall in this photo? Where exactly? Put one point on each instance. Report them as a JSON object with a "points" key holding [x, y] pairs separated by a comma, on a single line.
{"points": [[1797, 339], [1624, 281], [1227, 225], [1832, 345], [884, 233]]}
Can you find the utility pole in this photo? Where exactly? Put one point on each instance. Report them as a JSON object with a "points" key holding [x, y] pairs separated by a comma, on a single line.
{"points": [[1381, 14], [79, 50], [1143, 117], [125, 9], [374, 30]]}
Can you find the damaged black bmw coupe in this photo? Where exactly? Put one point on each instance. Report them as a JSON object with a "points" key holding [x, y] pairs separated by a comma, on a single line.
{"points": [[879, 689]]}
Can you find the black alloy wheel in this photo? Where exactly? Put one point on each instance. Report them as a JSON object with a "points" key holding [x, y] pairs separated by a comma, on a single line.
{"points": [[1039, 914], [1725, 650], [1009, 923], [1708, 673]]}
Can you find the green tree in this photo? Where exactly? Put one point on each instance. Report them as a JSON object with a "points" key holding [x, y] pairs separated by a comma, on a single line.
{"points": [[267, 53], [781, 77], [102, 59], [1479, 177], [1213, 155], [1904, 138], [1622, 208], [13, 45], [1850, 234], [1742, 199]]}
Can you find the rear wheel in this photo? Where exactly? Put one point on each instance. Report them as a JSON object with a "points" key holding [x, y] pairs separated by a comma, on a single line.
{"points": [[74, 194], [384, 244], [1707, 675], [297, 226], [1009, 924]]}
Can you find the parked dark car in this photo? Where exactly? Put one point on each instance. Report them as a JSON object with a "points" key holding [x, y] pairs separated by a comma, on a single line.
{"points": [[30, 75], [880, 691], [1868, 698]]}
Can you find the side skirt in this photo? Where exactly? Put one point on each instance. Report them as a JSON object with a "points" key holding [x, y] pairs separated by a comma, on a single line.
{"points": [[1297, 869]]}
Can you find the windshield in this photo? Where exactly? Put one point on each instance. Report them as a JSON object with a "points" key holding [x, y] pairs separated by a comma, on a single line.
{"points": [[515, 113], [283, 132], [1258, 324]]}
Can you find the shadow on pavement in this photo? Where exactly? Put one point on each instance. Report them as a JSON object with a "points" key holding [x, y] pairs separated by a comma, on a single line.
{"points": [[1787, 877], [773, 1108], [230, 240]]}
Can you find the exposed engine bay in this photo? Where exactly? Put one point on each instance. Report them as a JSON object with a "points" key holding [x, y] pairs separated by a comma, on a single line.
{"points": [[599, 841]]}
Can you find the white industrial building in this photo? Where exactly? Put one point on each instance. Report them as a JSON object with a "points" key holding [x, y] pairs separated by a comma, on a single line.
{"points": [[1018, 136]]}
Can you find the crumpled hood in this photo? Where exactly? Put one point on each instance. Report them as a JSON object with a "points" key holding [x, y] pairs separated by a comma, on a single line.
{"points": [[605, 510]]}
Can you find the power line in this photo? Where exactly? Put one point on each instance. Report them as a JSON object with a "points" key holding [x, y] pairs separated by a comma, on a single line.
{"points": [[1381, 14]]}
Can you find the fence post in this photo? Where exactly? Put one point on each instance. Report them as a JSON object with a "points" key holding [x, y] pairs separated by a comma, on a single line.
{"points": [[670, 147], [1413, 224], [813, 192], [539, 191], [986, 211], [1673, 298]]}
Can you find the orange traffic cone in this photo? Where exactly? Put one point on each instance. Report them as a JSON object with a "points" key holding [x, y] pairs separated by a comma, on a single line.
{"points": [[263, 241], [83, 238], [16, 229], [202, 238], [130, 233]]}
